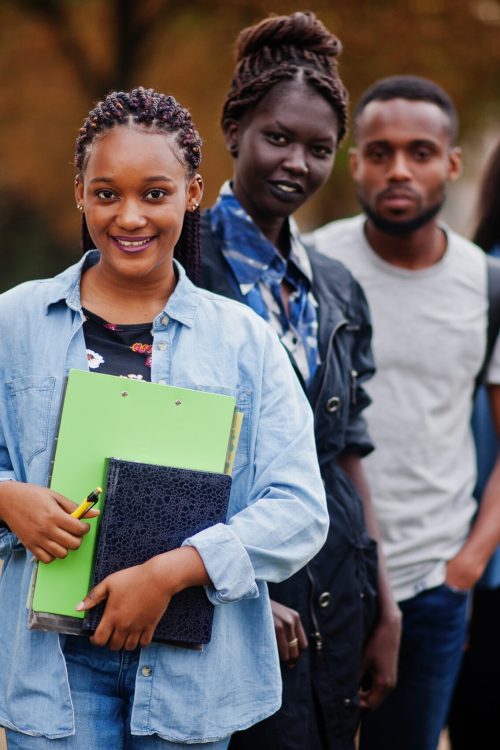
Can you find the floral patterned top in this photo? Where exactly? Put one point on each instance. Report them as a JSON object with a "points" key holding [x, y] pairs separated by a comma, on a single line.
{"points": [[118, 349]]}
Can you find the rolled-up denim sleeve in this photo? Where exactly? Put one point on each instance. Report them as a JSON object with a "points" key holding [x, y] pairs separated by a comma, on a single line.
{"points": [[285, 522]]}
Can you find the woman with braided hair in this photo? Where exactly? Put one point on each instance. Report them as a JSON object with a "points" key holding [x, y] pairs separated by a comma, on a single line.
{"points": [[283, 119], [128, 308]]}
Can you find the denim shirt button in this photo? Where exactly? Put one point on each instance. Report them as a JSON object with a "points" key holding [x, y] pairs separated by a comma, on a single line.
{"points": [[164, 320], [147, 671], [162, 346], [333, 404]]}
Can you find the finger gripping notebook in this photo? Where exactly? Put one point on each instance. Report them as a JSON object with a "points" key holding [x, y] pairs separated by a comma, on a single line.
{"points": [[151, 509]]}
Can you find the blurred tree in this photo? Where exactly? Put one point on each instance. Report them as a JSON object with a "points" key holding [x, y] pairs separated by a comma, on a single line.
{"points": [[58, 56]]}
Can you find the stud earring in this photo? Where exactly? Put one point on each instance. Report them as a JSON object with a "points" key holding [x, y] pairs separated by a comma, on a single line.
{"points": [[80, 207]]}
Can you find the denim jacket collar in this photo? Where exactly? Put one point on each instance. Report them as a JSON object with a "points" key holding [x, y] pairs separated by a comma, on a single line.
{"points": [[181, 306]]}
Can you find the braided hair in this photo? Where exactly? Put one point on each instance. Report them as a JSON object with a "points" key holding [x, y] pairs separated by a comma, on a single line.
{"points": [[282, 48], [159, 113]]}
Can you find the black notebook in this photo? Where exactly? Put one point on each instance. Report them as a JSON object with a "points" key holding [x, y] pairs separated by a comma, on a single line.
{"points": [[151, 509]]}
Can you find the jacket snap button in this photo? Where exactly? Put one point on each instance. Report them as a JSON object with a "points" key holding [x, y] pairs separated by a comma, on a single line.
{"points": [[147, 671], [324, 599], [347, 701], [333, 404]]}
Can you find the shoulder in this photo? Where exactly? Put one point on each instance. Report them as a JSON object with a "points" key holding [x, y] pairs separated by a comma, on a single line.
{"points": [[33, 298], [467, 258], [336, 236], [29, 295], [334, 284]]}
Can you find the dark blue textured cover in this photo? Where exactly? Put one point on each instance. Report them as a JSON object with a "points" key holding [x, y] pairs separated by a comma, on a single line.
{"points": [[151, 509]]}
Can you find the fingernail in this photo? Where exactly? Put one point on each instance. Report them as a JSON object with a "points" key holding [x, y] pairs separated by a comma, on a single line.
{"points": [[80, 606]]}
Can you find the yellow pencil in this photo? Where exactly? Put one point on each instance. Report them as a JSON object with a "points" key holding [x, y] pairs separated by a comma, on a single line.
{"points": [[88, 503]]}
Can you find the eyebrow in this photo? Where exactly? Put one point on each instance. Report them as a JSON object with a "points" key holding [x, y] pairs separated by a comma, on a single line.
{"points": [[415, 142], [153, 178], [318, 138]]}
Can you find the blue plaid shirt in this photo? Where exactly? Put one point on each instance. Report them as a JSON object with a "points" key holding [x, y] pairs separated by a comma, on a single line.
{"points": [[259, 270]]}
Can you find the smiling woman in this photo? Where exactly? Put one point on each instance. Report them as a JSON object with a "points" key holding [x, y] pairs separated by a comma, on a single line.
{"points": [[134, 212], [129, 309]]}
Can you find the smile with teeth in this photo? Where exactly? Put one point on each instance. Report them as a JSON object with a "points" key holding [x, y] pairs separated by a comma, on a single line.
{"points": [[133, 243]]}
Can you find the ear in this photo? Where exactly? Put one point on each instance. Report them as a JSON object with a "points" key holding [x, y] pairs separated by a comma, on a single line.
{"points": [[194, 193], [78, 191], [454, 163], [353, 161], [231, 136]]}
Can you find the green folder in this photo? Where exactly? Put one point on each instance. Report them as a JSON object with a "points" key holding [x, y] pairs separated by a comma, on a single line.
{"points": [[106, 416]]}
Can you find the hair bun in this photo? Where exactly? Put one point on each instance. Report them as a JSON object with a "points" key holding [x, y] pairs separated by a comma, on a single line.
{"points": [[299, 30]]}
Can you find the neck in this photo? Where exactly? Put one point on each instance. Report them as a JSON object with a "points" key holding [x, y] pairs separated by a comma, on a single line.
{"points": [[120, 299], [416, 250]]}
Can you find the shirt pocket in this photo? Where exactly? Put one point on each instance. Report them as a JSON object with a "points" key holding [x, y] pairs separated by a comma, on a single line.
{"points": [[31, 399], [243, 398]]}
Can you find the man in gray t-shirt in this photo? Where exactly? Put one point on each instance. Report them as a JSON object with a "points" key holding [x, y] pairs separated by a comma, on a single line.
{"points": [[427, 290]]}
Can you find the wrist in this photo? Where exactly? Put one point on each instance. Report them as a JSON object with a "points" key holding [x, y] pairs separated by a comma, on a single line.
{"points": [[178, 569]]}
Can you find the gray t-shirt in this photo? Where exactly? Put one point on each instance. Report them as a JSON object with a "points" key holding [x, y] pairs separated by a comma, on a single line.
{"points": [[429, 342]]}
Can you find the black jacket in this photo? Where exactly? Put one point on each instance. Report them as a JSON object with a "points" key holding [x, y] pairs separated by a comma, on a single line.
{"points": [[336, 593]]}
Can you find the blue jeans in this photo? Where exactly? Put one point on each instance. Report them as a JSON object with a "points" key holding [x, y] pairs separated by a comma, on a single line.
{"points": [[412, 717], [102, 686]]}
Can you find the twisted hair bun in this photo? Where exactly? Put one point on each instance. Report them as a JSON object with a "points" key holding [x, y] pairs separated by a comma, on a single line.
{"points": [[282, 48], [300, 30]]}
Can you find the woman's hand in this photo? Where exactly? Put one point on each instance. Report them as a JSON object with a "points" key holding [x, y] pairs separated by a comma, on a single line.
{"points": [[380, 661], [137, 597], [41, 520], [136, 600], [290, 634]]}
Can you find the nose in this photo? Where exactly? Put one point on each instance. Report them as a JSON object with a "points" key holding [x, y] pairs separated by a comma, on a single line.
{"points": [[399, 168], [130, 215], [295, 161]]}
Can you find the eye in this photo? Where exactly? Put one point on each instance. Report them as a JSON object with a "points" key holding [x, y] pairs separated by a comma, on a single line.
{"points": [[422, 153], [155, 194], [277, 139], [105, 195], [376, 154], [321, 152]]}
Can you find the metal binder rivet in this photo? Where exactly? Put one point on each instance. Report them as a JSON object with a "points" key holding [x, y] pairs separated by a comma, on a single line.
{"points": [[178, 403], [124, 393]]}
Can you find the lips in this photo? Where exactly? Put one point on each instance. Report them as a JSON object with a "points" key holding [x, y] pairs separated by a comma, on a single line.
{"points": [[286, 190], [397, 200], [132, 244]]}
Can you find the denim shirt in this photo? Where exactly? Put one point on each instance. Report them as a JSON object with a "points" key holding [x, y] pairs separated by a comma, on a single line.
{"points": [[277, 514]]}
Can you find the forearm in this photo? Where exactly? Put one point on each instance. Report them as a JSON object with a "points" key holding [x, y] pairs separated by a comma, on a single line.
{"points": [[485, 533]]}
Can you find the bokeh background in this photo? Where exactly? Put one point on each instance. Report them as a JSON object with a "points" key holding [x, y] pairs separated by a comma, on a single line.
{"points": [[57, 57]]}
